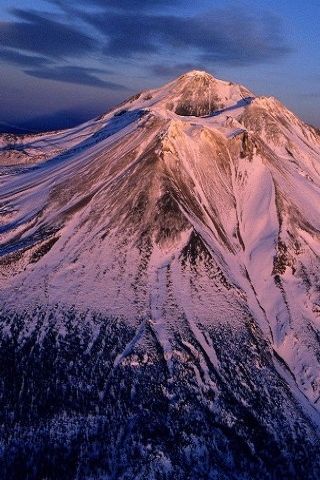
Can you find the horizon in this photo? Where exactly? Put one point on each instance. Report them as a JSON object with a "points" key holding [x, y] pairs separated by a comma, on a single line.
{"points": [[62, 65]]}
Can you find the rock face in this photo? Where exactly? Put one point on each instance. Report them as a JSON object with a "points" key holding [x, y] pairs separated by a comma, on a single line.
{"points": [[160, 292]]}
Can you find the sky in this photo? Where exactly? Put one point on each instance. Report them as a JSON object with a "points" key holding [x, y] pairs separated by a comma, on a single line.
{"points": [[63, 62]]}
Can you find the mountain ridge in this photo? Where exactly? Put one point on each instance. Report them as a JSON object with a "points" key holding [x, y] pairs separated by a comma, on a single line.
{"points": [[196, 240]]}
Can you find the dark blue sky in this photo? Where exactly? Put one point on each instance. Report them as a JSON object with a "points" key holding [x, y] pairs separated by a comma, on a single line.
{"points": [[63, 61]]}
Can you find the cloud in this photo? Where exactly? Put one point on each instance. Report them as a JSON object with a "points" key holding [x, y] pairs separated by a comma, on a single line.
{"points": [[17, 58], [42, 67], [219, 36], [125, 5], [38, 34], [74, 74]]}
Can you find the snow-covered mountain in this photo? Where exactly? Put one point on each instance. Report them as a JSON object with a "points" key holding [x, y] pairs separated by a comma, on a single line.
{"points": [[160, 291]]}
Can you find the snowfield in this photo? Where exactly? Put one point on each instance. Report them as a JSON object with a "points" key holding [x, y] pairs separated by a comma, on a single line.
{"points": [[160, 291]]}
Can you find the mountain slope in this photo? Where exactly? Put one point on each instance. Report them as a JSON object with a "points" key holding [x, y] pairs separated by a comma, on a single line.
{"points": [[160, 288]]}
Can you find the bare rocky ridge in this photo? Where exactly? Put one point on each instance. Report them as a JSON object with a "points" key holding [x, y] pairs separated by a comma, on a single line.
{"points": [[160, 291]]}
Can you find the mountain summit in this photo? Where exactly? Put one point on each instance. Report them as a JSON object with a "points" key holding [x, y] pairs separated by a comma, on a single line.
{"points": [[160, 290], [200, 94]]}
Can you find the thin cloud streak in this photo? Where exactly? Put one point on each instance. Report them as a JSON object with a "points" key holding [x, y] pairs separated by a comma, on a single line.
{"points": [[73, 74], [36, 33]]}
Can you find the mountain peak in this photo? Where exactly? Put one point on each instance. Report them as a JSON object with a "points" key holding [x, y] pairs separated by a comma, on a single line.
{"points": [[154, 263], [197, 73], [195, 93]]}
